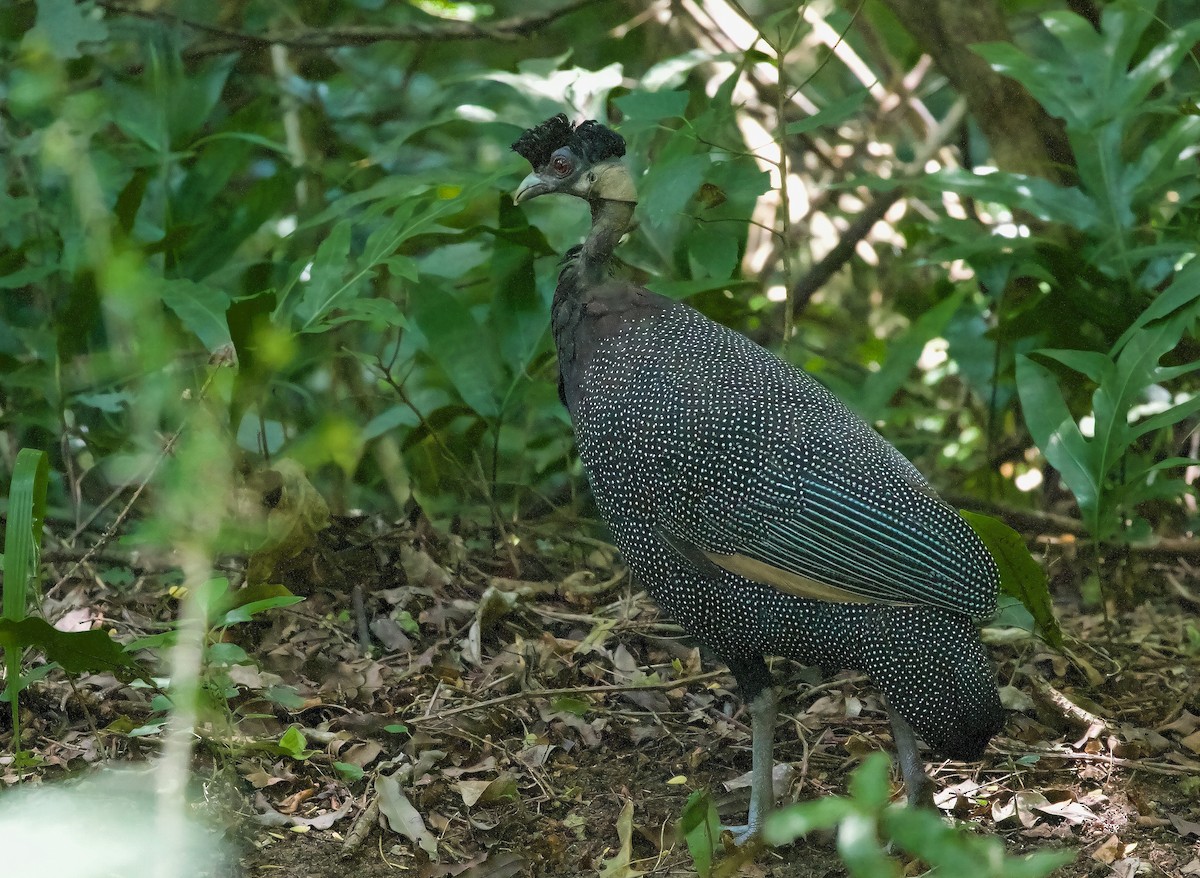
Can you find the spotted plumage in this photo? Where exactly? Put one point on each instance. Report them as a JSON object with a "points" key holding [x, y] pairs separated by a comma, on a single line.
{"points": [[756, 508]]}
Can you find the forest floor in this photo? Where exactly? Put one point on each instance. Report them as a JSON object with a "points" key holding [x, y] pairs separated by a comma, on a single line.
{"points": [[523, 710]]}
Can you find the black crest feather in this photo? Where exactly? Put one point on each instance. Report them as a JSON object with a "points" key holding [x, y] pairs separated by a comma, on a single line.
{"points": [[538, 143], [590, 140], [596, 143]]}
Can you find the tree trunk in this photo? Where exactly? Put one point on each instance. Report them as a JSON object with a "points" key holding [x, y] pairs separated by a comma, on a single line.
{"points": [[1023, 137]]}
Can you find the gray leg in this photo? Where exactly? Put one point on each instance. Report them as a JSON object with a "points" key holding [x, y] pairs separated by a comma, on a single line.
{"points": [[762, 788], [917, 784]]}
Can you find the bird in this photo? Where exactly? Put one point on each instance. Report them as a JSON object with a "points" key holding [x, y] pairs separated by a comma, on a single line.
{"points": [[753, 505]]}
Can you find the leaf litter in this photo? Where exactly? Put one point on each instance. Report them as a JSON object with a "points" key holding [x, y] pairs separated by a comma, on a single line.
{"points": [[522, 708]]}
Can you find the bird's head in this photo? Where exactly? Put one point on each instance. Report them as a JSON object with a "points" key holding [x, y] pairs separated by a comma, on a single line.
{"points": [[583, 160]]}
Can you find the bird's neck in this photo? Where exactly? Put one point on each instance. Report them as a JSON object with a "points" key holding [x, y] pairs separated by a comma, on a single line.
{"points": [[610, 220]]}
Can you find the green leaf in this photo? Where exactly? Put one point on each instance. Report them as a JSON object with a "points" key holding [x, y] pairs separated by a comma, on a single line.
{"points": [[683, 289], [23, 531], [77, 651], [670, 186], [1058, 435], [869, 785], [1090, 363], [871, 399], [831, 115], [518, 316], [1184, 292], [713, 252], [327, 283], [1020, 575], [454, 340], [788, 824], [285, 696], [224, 654], [293, 743], [701, 828], [1169, 417], [248, 611], [201, 308], [64, 25], [1045, 200], [860, 849], [573, 706], [644, 109]]}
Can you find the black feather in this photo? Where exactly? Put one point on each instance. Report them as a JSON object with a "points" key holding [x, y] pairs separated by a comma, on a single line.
{"points": [[589, 140], [538, 143], [596, 143]]}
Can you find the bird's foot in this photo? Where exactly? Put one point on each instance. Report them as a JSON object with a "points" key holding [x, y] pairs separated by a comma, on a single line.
{"points": [[742, 834]]}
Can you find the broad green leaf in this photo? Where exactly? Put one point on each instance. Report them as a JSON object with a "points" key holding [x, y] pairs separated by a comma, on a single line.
{"points": [[870, 786], [683, 289], [331, 277], [713, 251], [201, 308], [518, 316], [1057, 434], [63, 25], [1045, 200], [1020, 575], [795, 821], [1169, 417], [77, 651], [644, 109], [23, 530], [456, 343], [1136, 369], [872, 398], [701, 828], [670, 186], [832, 115], [1184, 292], [861, 850], [1094, 365]]}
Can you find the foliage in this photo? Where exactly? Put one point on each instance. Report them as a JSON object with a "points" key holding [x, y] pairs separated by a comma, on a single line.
{"points": [[222, 611], [215, 256], [1106, 255], [1110, 474], [867, 824], [1020, 576]]}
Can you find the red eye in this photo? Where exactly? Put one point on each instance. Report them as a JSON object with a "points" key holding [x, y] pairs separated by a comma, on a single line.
{"points": [[560, 165]]}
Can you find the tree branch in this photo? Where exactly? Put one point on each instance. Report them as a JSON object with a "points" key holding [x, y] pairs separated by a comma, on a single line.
{"points": [[230, 40]]}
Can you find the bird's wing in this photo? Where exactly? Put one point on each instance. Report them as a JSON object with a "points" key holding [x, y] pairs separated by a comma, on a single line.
{"points": [[882, 539], [806, 497]]}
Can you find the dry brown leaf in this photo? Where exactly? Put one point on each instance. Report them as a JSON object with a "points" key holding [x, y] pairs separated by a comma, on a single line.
{"points": [[619, 866], [1127, 868], [1192, 742], [488, 764], [1183, 826], [471, 790], [1027, 803], [1072, 812], [362, 754], [421, 569], [1110, 849], [1187, 723], [401, 816]]}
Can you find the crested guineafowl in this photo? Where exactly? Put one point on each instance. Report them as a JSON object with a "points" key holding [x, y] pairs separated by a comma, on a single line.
{"points": [[753, 505]]}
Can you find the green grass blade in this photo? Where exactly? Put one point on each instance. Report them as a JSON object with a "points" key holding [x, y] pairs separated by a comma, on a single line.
{"points": [[23, 539]]}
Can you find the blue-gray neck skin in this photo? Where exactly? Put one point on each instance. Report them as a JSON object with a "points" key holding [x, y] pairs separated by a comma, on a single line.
{"points": [[610, 220]]}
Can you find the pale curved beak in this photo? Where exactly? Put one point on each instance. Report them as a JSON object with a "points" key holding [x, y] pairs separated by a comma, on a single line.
{"points": [[531, 187]]}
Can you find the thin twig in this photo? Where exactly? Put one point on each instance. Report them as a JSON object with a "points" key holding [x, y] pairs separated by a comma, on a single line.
{"points": [[231, 40], [572, 690]]}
